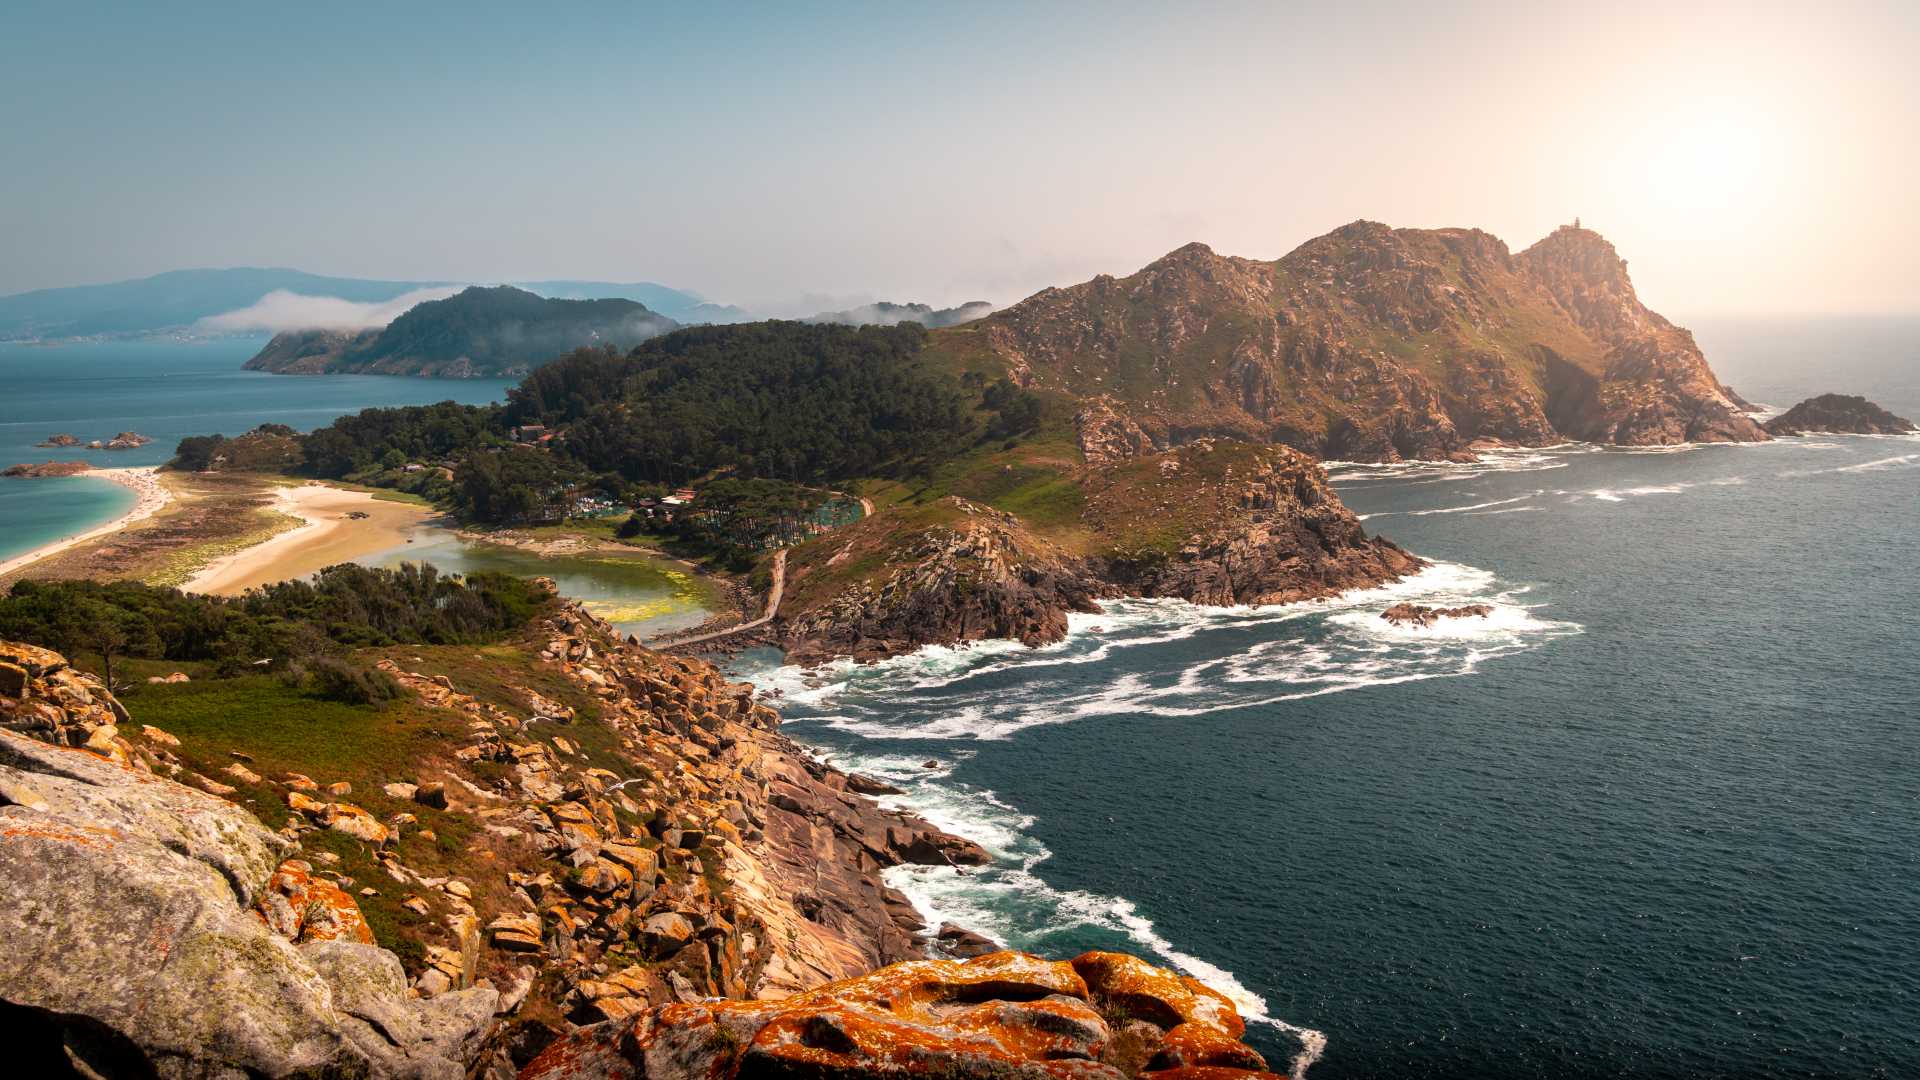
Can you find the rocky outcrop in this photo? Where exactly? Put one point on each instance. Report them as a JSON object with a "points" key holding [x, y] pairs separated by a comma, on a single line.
{"points": [[1838, 414], [1370, 344], [1102, 1016], [1424, 617], [977, 574], [721, 860], [1653, 385], [1266, 528], [61, 440], [46, 468], [1213, 521], [135, 911]]}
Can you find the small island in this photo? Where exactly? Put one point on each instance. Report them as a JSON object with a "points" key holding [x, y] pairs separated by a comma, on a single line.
{"points": [[46, 468], [126, 440], [1838, 414]]}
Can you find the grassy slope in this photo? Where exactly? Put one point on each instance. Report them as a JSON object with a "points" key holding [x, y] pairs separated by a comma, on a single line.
{"points": [[280, 730]]}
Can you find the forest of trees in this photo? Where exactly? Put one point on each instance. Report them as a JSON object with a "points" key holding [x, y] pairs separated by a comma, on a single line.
{"points": [[304, 627], [799, 403], [781, 400], [737, 519], [423, 433]]}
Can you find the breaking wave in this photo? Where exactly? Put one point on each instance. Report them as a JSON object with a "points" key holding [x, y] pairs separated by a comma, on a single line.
{"points": [[1009, 902], [1235, 658]]}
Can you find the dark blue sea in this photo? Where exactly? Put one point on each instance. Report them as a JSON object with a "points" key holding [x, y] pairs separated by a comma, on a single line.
{"points": [[1658, 816], [165, 390]]}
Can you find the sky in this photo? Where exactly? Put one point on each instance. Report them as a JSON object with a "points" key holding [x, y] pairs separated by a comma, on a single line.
{"points": [[792, 157]]}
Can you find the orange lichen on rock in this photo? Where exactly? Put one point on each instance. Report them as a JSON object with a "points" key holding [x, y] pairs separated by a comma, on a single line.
{"points": [[301, 907], [1155, 994], [1000, 1015]]}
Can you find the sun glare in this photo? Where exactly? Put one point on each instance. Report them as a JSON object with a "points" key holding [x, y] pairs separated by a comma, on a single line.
{"points": [[1718, 158]]}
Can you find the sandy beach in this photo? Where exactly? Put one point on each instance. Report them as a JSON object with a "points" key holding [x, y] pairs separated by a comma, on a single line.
{"points": [[327, 535], [152, 496]]}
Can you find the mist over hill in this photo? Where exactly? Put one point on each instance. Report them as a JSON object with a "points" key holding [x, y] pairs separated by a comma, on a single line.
{"points": [[476, 333]]}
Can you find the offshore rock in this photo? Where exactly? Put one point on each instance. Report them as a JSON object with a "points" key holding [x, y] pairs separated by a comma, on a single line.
{"points": [[1838, 414], [1424, 617], [1002, 1015]]}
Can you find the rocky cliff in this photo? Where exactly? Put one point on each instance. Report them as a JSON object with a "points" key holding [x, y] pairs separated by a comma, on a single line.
{"points": [[1214, 521], [1371, 344], [1838, 414]]}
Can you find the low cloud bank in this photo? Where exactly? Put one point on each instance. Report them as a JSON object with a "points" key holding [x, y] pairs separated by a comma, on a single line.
{"points": [[284, 310]]}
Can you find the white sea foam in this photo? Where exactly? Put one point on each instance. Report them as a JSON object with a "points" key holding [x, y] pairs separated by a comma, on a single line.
{"points": [[1898, 461], [1524, 459], [1009, 902], [1472, 506], [1621, 494]]}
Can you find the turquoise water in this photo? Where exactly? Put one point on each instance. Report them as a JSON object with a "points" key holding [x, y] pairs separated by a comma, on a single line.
{"points": [[1658, 816], [168, 391], [638, 595]]}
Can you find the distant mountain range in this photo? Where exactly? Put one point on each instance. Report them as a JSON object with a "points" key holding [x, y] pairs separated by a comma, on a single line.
{"points": [[171, 301], [178, 300], [250, 300], [478, 332]]}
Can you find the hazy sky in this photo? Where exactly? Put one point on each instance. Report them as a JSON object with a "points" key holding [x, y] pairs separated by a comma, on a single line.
{"points": [[1742, 159]]}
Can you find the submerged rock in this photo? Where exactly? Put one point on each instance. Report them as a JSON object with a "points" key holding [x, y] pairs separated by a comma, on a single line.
{"points": [[1425, 617]]}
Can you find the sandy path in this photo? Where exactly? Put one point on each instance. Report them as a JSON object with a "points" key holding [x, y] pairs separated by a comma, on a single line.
{"points": [[668, 641], [327, 536], [152, 496]]}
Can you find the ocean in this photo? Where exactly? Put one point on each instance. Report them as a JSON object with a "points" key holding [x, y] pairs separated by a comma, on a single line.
{"points": [[1659, 815], [167, 391]]}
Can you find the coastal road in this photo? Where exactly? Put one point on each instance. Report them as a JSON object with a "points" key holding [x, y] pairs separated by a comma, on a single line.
{"points": [[773, 605]]}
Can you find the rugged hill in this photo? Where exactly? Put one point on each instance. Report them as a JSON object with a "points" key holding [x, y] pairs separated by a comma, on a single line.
{"points": [[478, 332], [1368, 343], [1839, 414]]}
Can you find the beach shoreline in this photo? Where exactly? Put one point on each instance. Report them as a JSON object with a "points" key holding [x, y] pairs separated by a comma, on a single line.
{"points": [[336, 525], [151, 496]]}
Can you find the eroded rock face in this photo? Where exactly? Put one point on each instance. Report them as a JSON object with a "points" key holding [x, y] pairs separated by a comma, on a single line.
{"points": [[1838, 414], [151, 929], [1102, 1016]]}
